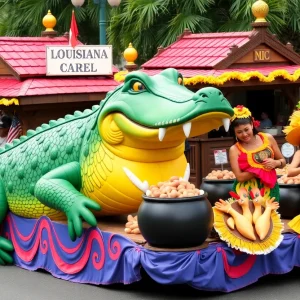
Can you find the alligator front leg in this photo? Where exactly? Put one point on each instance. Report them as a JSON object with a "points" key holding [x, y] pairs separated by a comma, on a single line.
{"points": [[59, 189], [5, 245]]}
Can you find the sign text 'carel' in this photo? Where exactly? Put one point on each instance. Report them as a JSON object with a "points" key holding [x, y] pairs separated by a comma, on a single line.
{"points": [[81, 60]]}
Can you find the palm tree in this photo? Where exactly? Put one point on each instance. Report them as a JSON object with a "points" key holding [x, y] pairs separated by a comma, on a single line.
{"points": [[153, 23], [25, 18], [149, 24], [237, 16]]}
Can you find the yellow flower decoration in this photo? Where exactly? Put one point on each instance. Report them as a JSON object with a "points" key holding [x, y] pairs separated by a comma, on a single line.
{"points": [[240, 112], [120, 76], [8, 102], [231, 75], [236, 75]]}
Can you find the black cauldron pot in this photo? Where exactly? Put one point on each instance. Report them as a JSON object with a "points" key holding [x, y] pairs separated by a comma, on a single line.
{"points": [[217, 189], [289, 200], [175, 222]]}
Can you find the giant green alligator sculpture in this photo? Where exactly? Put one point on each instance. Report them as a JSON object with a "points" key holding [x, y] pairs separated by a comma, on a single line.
{"points": [[102, 160]]}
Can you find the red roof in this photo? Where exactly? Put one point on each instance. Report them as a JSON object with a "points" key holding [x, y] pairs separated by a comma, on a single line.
{"points": [[201, 50], [188, 73], [48, 86], [27, 55]]}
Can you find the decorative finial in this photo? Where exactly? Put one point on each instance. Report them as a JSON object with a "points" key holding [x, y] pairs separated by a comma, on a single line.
{"points": [[49, 21], [260, 10], [130, 55]]}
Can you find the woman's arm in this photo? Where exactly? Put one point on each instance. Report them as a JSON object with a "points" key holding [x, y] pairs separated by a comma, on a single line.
{"points": [[279, 160], [233, 158], [294, 169]]}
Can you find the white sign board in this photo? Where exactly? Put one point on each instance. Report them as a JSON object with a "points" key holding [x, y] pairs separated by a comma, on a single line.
{"points": [[220, 157], [287, 150], [81, 60]]}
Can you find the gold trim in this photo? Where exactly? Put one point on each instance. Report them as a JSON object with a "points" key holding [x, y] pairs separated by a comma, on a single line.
{"points": [[249, 153]]}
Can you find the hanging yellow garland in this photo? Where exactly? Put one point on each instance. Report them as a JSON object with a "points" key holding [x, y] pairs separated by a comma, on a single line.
{"points": [[227, 76], [7, 102], [236, 75]]}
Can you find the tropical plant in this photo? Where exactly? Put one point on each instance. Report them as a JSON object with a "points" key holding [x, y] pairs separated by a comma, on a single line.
{"points": [[25, 18], [153, 23], [149, 24]]}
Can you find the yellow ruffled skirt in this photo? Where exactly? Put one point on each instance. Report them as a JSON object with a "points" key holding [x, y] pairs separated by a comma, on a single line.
{"points": [[257, 247]]}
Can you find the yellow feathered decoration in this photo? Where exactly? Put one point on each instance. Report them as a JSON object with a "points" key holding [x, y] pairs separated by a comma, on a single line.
{"points": [[292, 131]]}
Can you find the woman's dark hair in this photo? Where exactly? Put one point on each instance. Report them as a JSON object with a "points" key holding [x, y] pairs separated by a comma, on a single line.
{"points": [[240, 121]]}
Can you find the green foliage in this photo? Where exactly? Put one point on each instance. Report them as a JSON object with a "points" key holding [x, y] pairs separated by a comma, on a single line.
{"points": [[25, 18], [148, 24]]}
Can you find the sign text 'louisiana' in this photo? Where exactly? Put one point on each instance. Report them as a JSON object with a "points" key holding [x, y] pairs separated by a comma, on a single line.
{"points": [[81, 60]]}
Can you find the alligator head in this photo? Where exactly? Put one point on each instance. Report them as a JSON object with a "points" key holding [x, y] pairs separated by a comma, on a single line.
{"points": [[158, 112]]}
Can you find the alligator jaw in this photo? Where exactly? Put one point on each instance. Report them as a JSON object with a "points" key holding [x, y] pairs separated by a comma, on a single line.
{"points": [[187, 127], [171, 133], [144, 186]]}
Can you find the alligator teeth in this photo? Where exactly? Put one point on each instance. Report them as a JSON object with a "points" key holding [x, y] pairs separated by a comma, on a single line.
{"points": [[161, 133], [187, 129], [187, 172], [143, 186], [226, 123]]}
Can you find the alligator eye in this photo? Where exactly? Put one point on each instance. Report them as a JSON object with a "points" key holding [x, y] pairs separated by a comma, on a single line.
{"points": [[203, 95], [137, 87]]}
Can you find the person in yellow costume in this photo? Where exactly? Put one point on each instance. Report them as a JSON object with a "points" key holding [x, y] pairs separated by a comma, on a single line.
{"points": [[292, 132], [254, 156]]}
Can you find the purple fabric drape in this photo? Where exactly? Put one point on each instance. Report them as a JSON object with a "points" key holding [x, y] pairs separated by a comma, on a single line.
{"points": [[104, 258]]}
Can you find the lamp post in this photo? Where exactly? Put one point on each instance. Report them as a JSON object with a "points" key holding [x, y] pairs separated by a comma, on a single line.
{"points": [[102, 15]]}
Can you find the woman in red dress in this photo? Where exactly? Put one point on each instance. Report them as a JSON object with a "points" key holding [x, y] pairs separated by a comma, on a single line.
{"points": [[254, 156]]}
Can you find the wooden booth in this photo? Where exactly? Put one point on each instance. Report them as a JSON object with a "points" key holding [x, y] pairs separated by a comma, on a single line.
{"points": [[251, 68], [36, 98]]}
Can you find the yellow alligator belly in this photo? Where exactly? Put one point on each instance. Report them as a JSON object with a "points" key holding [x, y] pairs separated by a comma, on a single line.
{"points": [[117, 194]]}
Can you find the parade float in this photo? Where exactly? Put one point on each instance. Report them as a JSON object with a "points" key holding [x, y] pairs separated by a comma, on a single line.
{"points": [[98, 195], [68, 186]]}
